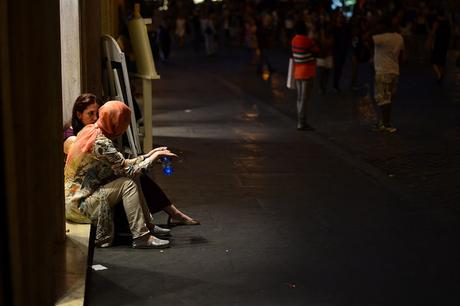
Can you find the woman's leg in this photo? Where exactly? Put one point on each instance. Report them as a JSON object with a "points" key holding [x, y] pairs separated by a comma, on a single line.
{"points": [[176, 214], [157, 200], [299, 85], [125, 189]]}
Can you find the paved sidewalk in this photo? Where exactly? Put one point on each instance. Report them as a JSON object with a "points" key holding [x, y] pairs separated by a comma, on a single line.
{"points": [[286, 218], [421, 158]]}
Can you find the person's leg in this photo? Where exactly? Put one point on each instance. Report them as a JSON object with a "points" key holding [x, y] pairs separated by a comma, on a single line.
{"points": [[137, 213], [385, 89], [177, 217], [354, 72], [156, 200], [338, 68], [304, 92], [437, 71], [300, 86], [386, 114], [379, 96], [125, 189]]}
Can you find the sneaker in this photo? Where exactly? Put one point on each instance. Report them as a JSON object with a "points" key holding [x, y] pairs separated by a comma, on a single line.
{"points": [[160, 231], [149, 242], [390, 129], [305, 127], [382, 128], [379, 127]]}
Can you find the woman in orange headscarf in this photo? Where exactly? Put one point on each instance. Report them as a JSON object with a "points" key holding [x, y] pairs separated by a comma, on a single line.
{"points": [[97, 177], [85, 111]]}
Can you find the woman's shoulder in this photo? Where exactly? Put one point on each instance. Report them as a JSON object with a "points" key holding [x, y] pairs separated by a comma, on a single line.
{"points": [[103, 145], [68, 132]]}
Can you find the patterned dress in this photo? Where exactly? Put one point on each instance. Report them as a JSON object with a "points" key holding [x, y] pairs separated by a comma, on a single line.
{"points": [[87, 173]]}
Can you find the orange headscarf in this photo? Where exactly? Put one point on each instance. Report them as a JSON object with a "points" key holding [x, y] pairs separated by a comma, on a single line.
{"points": [[114, 119]]}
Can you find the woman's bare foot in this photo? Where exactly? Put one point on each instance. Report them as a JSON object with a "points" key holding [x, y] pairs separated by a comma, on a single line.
{"points": [[176, 217]]}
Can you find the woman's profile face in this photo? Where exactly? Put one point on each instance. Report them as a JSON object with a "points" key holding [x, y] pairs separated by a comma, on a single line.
{"points": [[89, 115]]}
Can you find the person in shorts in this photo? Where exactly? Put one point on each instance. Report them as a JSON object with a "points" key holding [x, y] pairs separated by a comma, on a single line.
{"points": [[388, 50]]}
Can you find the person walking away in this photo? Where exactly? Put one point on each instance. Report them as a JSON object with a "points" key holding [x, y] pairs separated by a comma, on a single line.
{"points": [[250, 38], [342, 41], [303, 51], [209, 32], [164, 38], [361, 53], [388, 52], [325, 60], [264, 37], [441, 39], [180, 30], [196, 31]]}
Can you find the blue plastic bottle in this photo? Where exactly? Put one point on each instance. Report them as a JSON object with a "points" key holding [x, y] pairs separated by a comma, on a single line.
{"points": [[167, 165]]}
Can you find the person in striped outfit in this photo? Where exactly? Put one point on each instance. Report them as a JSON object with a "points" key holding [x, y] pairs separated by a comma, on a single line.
{"points": [[303, 50]]}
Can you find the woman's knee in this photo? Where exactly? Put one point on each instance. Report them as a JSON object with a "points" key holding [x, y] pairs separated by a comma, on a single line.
{"points": [[128, 185]]}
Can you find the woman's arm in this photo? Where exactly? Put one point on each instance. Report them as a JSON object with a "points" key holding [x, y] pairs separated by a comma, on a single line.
{"points": [[145, 156], [105, 150]]}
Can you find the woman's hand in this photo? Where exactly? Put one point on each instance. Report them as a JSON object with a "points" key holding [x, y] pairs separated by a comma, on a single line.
{"points": [[161, 152], [155, 150]]}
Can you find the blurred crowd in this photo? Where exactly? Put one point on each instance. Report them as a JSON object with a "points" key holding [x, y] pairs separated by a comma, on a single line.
{"points": [[340, 31]]}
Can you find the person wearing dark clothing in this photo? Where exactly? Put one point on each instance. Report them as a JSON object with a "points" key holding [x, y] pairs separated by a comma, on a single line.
{"points": [[165, 40], [263, 41], [196, 32], [442, 33], [153, 39], [342, 39], [361, 50]]}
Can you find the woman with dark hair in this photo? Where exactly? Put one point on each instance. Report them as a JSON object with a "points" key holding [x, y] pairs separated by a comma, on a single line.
{"points": [[98, 177], [84, 113], [303, 53]]}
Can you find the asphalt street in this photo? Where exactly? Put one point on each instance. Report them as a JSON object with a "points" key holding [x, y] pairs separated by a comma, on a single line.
{"points": [[293, 218]]}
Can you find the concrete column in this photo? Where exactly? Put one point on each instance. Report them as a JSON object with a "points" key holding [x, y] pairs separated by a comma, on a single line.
{"points": [[70, 55], [31, 150]]}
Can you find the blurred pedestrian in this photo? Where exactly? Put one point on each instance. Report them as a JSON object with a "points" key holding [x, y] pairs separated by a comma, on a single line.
{"points": [[342, 41], [421, 32], [388, 51], [264, 41], [181, 23], [209, 32], [197, 33], [164, 38], [303, 52], [289, 30], [441, 39], [361, 50], [325, 60], [250, 38]]}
